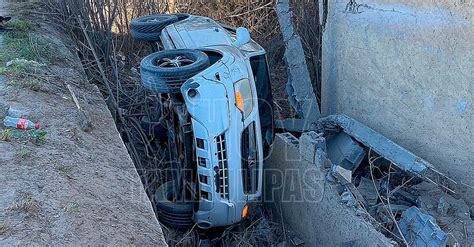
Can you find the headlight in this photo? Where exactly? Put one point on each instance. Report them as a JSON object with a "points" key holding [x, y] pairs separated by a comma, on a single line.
{"points": [[243, 97]]}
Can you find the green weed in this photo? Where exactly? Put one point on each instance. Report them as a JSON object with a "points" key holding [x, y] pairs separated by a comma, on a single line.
{"points": [[72, 208], [21, 44], [33, 84], [38, 136], [14, 82], [20, 25], [24, 153]]}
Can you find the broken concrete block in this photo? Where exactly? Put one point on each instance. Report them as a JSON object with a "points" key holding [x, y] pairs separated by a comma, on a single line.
{"points": [[367, 190], [343, 174], [344, 151], [420, 229], [322, 160], [309, 143]]}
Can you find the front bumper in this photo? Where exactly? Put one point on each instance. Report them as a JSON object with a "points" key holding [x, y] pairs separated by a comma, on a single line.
{"points": [[220, 180]]}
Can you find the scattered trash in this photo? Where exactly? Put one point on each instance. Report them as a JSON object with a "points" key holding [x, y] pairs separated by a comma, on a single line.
{"points": [[19, 123], [420, 229], [6, 110], [17, 112]]}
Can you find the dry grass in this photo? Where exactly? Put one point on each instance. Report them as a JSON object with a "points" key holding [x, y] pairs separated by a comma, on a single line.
{"points": [[4, 228], [26, 204]]}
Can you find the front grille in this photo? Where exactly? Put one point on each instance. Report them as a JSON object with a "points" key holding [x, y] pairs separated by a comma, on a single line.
{"points": [[222, 171]]}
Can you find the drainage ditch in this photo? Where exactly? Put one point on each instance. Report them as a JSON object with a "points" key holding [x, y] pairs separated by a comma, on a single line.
{"points": [[110, 59]]}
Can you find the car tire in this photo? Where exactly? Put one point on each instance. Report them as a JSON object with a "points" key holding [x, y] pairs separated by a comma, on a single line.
{"points": [[145, 36], [178, 215], [168, 79], [181, 16], [152, 23]]}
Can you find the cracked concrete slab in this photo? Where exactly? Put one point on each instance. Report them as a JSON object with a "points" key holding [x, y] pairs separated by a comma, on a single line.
{"points": [[299, 88]]}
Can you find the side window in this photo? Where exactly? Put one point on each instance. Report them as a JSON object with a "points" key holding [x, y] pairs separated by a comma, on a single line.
{"points": [[265, 99], [261, 77]]}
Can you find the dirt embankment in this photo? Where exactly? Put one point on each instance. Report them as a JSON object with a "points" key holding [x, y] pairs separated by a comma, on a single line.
{"points": [[61, 185]]}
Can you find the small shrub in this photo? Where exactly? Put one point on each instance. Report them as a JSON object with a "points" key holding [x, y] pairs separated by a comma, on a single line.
{"points": [[13, 70], [33, 84], [5, 135], [14, 83]]}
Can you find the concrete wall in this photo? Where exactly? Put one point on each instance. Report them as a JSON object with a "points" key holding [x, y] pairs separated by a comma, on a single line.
{"points": [[405, 68], [296, 189]]}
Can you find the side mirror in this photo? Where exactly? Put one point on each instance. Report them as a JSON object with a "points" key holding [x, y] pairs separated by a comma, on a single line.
{"points": [[243, 37]]}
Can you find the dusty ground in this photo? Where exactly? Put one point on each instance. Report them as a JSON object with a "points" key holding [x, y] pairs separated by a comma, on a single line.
{"points": [[72, 187]]}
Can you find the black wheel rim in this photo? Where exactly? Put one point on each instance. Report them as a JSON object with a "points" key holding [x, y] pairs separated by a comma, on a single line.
{"points": [[176, 62]]}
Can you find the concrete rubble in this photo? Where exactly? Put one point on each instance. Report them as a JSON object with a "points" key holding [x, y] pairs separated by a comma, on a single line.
{"points": [[345, 152], [375, 191], [297, 189], [420, 229]]}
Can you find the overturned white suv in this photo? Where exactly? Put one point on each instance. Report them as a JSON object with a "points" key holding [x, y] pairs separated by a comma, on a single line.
{"points": [[215, 103]]}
